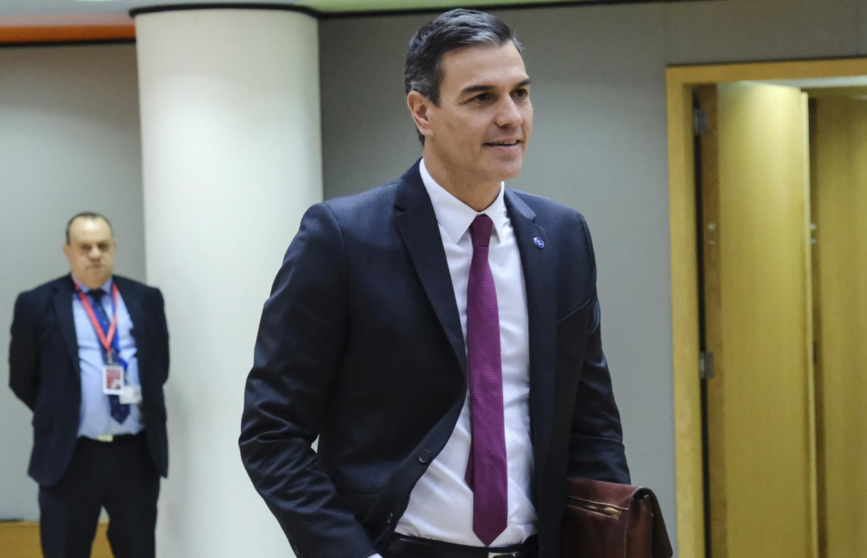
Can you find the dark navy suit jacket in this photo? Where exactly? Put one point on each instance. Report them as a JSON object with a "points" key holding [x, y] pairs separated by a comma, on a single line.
{"points": [[44, 370], [360, 345]]}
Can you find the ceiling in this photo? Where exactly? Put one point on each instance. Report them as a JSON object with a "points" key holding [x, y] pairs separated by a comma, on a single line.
{"points": [[96, 12]]}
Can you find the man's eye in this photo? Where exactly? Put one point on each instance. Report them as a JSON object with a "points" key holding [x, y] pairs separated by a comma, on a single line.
{"points": [[484, 97], [521, 93]]}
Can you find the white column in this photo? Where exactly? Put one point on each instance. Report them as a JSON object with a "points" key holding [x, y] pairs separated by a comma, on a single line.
{"points": [[232, 159]]}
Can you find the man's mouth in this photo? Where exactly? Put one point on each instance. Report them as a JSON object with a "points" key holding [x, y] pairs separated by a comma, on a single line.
{"points": [[504, 143]]}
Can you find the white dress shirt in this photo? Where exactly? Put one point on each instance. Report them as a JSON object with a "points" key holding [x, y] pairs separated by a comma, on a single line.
{"points": [[441, 504]]}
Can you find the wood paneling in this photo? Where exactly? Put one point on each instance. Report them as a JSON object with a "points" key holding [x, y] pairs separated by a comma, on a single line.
{"points": [[840, 262], [712, 286], [759, 327], [680, 81], [759, 400], [20, 539]]}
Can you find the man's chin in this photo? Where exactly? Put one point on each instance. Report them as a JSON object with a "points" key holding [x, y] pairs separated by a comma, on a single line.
{"points": [[96, 277], [507, 171]]}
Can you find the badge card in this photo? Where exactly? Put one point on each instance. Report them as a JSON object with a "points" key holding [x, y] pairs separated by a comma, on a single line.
{"points": [[112, 379]]}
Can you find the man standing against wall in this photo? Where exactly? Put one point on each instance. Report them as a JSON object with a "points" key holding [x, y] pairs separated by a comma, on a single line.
{"points": [[89, 356], [440, 335]]}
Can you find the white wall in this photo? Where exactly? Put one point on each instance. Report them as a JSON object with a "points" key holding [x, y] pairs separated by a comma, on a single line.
{"points": [[69, 142], [599, 145]]}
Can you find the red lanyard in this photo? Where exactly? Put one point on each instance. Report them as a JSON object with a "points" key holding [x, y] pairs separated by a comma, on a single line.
{"points": [[106, 340]]}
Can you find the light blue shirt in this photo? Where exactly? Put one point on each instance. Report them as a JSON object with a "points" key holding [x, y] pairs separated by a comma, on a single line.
{"points": [[95, 415]]}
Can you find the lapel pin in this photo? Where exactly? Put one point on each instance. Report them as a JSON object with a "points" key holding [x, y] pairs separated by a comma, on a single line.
{"points": [[539, 243]]}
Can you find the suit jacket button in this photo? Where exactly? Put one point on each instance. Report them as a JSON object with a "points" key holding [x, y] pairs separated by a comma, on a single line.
{"points": [[390, 518], [424, 457]]}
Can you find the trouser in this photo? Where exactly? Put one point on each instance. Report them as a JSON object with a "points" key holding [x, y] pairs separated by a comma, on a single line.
{"points": [[118, 475]]}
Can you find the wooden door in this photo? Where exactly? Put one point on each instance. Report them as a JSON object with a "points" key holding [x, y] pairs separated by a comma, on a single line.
{"points": [[839, 193], [757, 288]]}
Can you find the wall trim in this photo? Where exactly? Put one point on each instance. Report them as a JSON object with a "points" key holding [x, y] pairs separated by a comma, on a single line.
{"points": [[33, 35]]}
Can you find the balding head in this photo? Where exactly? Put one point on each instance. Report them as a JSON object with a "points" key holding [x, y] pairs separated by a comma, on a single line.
{"points": [[90, 249]]}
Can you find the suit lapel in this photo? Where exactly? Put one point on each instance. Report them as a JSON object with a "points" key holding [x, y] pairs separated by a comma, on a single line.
{"points": [[133, 303], [62, 301], [418, 226], [131, 300], [537, 264]]}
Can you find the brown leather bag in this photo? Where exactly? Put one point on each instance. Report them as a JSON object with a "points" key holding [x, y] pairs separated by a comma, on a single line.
{"points": [[606, 520]]}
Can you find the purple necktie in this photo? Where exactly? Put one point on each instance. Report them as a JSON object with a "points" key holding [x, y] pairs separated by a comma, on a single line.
{"points": [[486, 469]]}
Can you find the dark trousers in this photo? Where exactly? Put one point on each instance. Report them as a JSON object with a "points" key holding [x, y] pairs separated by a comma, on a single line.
{"points": [[119, 476]]}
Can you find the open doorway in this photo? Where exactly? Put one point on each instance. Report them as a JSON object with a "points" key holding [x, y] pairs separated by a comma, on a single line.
{"points": [[776, 227]]}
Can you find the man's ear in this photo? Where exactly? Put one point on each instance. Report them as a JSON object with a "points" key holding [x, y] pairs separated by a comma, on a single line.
{"points": [[66, 250], [419, 108]]}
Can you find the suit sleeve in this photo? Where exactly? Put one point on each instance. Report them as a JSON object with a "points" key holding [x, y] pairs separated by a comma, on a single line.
{"points": [[24, 354], [299, 345], [596, 450]]}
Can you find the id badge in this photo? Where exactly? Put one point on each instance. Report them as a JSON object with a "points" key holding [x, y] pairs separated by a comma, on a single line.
{"points": [[130, 395], [112, 379]]}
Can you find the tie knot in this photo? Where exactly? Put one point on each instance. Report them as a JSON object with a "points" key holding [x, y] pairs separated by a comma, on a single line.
{"points": [[96, 294], [480, 231]]}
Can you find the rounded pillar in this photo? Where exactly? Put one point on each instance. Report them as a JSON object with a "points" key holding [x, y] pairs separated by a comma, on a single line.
{"points": [[231, 154]]}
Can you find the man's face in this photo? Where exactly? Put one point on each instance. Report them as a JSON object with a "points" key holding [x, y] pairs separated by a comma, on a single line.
{"points": [[90, 251], [482, 126]]}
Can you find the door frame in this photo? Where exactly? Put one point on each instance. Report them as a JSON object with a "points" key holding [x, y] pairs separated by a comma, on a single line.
{"points": [[680, 80]]}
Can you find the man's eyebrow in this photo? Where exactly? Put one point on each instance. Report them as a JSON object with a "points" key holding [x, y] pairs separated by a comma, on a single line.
{"points": [[475, 89], [483, 87]]}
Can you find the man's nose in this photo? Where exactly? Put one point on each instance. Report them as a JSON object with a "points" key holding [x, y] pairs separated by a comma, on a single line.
{"points": [[95, 253], [509, 116]]}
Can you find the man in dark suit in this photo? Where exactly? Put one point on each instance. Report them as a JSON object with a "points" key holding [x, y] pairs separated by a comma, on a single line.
{"points": [[89, 356], [440, 335]]}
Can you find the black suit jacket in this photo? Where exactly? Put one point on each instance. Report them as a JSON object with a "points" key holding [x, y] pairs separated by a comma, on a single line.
{"points": [[361, 345], [44, 370]]}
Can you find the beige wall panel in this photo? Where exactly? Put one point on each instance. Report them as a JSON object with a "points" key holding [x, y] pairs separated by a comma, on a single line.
{"points": [[761, 394], [752, 30], [840, 160], [21, 540]]}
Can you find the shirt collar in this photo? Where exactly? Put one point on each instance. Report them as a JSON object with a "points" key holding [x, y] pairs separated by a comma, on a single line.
{"points": [[106, 287], [454, 215]]}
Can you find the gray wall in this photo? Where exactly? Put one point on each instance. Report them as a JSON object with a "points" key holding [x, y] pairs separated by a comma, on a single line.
{"points": [[599, 145], [69, 142]]}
